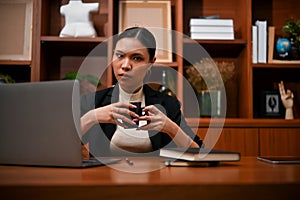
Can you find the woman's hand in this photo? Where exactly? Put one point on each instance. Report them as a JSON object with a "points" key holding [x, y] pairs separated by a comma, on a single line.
{"points": [[116, 113], [158, 121]]}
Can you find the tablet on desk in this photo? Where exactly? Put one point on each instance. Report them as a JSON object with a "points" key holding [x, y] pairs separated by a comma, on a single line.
{"points": [[280, 159]]}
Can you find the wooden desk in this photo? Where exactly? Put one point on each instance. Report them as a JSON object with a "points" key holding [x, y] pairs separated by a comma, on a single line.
{"points": [[247, 179]]}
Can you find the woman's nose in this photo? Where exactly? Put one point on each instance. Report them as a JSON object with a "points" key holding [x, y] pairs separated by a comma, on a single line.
{"points": [[126, 65]]}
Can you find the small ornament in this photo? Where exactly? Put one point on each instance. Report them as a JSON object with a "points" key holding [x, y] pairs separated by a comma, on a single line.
{"points": [[77, 19], [283, 46]]}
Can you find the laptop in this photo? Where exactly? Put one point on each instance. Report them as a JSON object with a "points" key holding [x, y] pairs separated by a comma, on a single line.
{"points": [[40, 125]]}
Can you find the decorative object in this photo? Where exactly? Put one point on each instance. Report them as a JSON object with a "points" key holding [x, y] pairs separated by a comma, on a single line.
{"points": [[156, 16], [207, 84], [77, 19], [164, 88], [16, 29], [283, 46], [292, 31], [273, 56], [210, 103], [209, 70], [270, 104], [287, 99]]}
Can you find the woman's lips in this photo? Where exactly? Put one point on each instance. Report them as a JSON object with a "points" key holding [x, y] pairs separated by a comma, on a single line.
{"points": [[124, 76]]}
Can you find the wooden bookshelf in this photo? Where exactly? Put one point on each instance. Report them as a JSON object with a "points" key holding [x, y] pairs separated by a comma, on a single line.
{"points": [[48, 49]]}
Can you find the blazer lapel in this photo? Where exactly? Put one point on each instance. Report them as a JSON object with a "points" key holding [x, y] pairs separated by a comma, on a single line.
{"points": [[150, 96], [111, 97]]}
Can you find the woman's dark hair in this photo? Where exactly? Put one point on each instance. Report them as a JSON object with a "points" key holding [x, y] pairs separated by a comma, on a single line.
{"points": [[143, 35]]}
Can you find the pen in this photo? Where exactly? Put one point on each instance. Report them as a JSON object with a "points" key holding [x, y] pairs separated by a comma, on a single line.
{"points": [[129, 162]]}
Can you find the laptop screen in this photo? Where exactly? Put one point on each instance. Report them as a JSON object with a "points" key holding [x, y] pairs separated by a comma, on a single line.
{"points": [[40, 123]]}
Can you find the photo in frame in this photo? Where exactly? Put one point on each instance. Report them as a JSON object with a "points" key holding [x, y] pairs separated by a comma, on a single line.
{"points": [[271, 105], [154, 15], [16, 29]]}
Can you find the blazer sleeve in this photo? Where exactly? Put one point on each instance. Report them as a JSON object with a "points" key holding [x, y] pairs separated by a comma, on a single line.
{"points": [[177, 116], [98, 137]]}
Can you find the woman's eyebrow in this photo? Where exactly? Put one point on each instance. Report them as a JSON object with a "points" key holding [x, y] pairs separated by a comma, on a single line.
{"points": [[137, 54], [132, 54], [118, 51]]}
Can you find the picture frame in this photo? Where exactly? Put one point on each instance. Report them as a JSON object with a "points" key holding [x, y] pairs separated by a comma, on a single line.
{"points": [[271, 105], [16, 29], [153, 15]]}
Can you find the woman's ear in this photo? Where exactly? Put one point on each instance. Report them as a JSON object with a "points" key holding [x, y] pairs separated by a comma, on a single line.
{"points": [[153, 60]]}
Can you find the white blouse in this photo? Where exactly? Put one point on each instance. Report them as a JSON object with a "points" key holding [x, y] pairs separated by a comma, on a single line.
{"points": [[131, 140]]}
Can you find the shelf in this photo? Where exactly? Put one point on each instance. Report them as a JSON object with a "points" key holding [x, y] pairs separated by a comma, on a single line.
{"points": [[244, 123], [50, 50], [233, 42], [65, 39], [57, 47], [277, 65], [53, 56], [166, 64], [15, 62], [220, 48]]}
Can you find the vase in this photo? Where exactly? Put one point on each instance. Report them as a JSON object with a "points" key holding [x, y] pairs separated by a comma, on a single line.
{"points": [[210, 103]]}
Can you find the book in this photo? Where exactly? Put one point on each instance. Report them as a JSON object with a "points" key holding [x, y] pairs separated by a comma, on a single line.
{"points": [[214, 22], [199, 154], [183, 163], [254, 44], [212, 36], [271, 41], [261, 41], [205, 29]]}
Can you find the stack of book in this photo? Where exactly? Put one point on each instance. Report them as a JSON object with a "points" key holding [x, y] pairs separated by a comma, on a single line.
{"points": [[259, 42], [211, 29]]}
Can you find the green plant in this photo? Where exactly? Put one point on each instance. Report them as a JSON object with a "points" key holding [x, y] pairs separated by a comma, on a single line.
{"points": [[90, 78], [7, 78], [292, 30]]}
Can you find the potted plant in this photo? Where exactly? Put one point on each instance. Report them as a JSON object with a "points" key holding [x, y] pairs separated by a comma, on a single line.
{"points": [[4, 78], [204, 76], [292, 31], [88, 83]]}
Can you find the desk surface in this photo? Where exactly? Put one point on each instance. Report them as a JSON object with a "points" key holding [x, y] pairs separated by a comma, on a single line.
{"points": [[246, 179]]}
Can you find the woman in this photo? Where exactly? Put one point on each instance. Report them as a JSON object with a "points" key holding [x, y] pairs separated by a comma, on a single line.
{"points": [[133, 57]]}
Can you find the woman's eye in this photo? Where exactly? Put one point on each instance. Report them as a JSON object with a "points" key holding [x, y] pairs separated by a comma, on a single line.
{"points": [[137, 58], [119, 55]]}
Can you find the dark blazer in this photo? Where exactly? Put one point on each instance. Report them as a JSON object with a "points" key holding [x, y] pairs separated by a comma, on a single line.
{"points": [[99, 137]]}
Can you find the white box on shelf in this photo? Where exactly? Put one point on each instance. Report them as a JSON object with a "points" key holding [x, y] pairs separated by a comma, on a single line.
{"points": [[214, 22], [212, 36], [211, 29]]}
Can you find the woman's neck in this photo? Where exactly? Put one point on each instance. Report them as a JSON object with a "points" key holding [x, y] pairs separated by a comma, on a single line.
{"points": [[131, 90], [137, 94]]}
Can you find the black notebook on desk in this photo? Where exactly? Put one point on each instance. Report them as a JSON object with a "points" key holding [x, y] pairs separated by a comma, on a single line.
{"points": [[197, 156]]}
